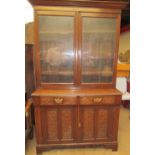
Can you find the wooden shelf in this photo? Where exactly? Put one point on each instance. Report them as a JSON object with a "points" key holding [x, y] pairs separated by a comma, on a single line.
{"points": [[68, 73], [106, 58], [63, 73], [73, 92], [100, 32], [93, 73], [57, 33]]}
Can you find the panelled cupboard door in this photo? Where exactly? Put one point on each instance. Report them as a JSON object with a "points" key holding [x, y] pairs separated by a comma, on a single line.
{"points": [[58, 124], [96, 123]]}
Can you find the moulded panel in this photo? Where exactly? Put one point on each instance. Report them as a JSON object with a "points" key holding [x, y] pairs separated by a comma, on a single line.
{"points": [[88, 123], [59, 124], [52, 124], [102, 123], [67, 124]]}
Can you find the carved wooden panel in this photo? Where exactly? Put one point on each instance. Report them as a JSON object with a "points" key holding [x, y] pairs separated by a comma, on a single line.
{"points": [[67, 124], [88, 123], [95, 122], [102, 122], [58, 123], [52, 124]]}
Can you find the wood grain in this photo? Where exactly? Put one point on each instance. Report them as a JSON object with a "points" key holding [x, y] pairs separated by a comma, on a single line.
{"points": [[78, 92], [85, 3]]}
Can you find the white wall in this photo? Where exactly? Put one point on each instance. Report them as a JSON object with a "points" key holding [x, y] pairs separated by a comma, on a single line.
{"points": [[28, 12]]}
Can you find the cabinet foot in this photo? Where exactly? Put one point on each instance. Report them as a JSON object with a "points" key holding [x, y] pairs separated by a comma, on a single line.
{"points": [[115, 148]]}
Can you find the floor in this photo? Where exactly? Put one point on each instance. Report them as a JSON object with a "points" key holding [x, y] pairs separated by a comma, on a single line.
{"points": [[123, 142]]}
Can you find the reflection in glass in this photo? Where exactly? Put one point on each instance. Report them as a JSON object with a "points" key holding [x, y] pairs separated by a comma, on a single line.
{"points": [[56, 49], [98, 45]]}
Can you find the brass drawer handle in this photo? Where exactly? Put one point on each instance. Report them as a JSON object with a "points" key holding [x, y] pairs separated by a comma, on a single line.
{"points": [[58, 100], [97, 99]]}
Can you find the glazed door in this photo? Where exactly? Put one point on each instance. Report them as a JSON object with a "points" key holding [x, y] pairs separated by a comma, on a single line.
{"points": [[76, 49], [58, 124], [55, 47], [98, 47]]}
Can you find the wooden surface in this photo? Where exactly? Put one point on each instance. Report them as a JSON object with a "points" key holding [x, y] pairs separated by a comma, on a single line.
{"points": [[123, 70], [28, 120], [123, 140], [29, 33], [76, 114], [71, 92], [77, 121], [82, 3], [29, 87], [28, 105]]}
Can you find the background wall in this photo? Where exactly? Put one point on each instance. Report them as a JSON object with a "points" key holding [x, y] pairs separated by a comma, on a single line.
{"points": [[124, 46], [29, 33], [28, 12]]}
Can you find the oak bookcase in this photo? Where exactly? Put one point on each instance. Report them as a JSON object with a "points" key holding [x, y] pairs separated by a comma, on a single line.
{"points": [[76, 47]]}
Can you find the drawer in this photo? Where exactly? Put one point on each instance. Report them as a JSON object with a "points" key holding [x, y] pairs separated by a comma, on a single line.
{"points": [[57, 100], [97, 100]]}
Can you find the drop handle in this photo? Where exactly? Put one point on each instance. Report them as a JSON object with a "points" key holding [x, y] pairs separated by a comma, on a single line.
{"points": [[97, 99], [58, 100]]}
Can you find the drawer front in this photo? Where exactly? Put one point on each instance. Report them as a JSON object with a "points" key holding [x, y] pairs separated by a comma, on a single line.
{"points": [[98, 100], [57, 100]]}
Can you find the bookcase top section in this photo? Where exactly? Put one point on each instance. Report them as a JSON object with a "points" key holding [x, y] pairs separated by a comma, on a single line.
{"points": [[118, 4]]}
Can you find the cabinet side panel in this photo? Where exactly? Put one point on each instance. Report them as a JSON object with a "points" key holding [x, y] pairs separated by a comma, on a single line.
{"points": [[38, 124], [116, 122]]}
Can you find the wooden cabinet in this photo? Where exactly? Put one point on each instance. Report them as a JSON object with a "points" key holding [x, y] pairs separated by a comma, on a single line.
{"points": [[76, 118], [76, 45]]}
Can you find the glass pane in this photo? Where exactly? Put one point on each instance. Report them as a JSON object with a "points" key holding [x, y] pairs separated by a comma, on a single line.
{"points": [[98, 46], [56, 49]]}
